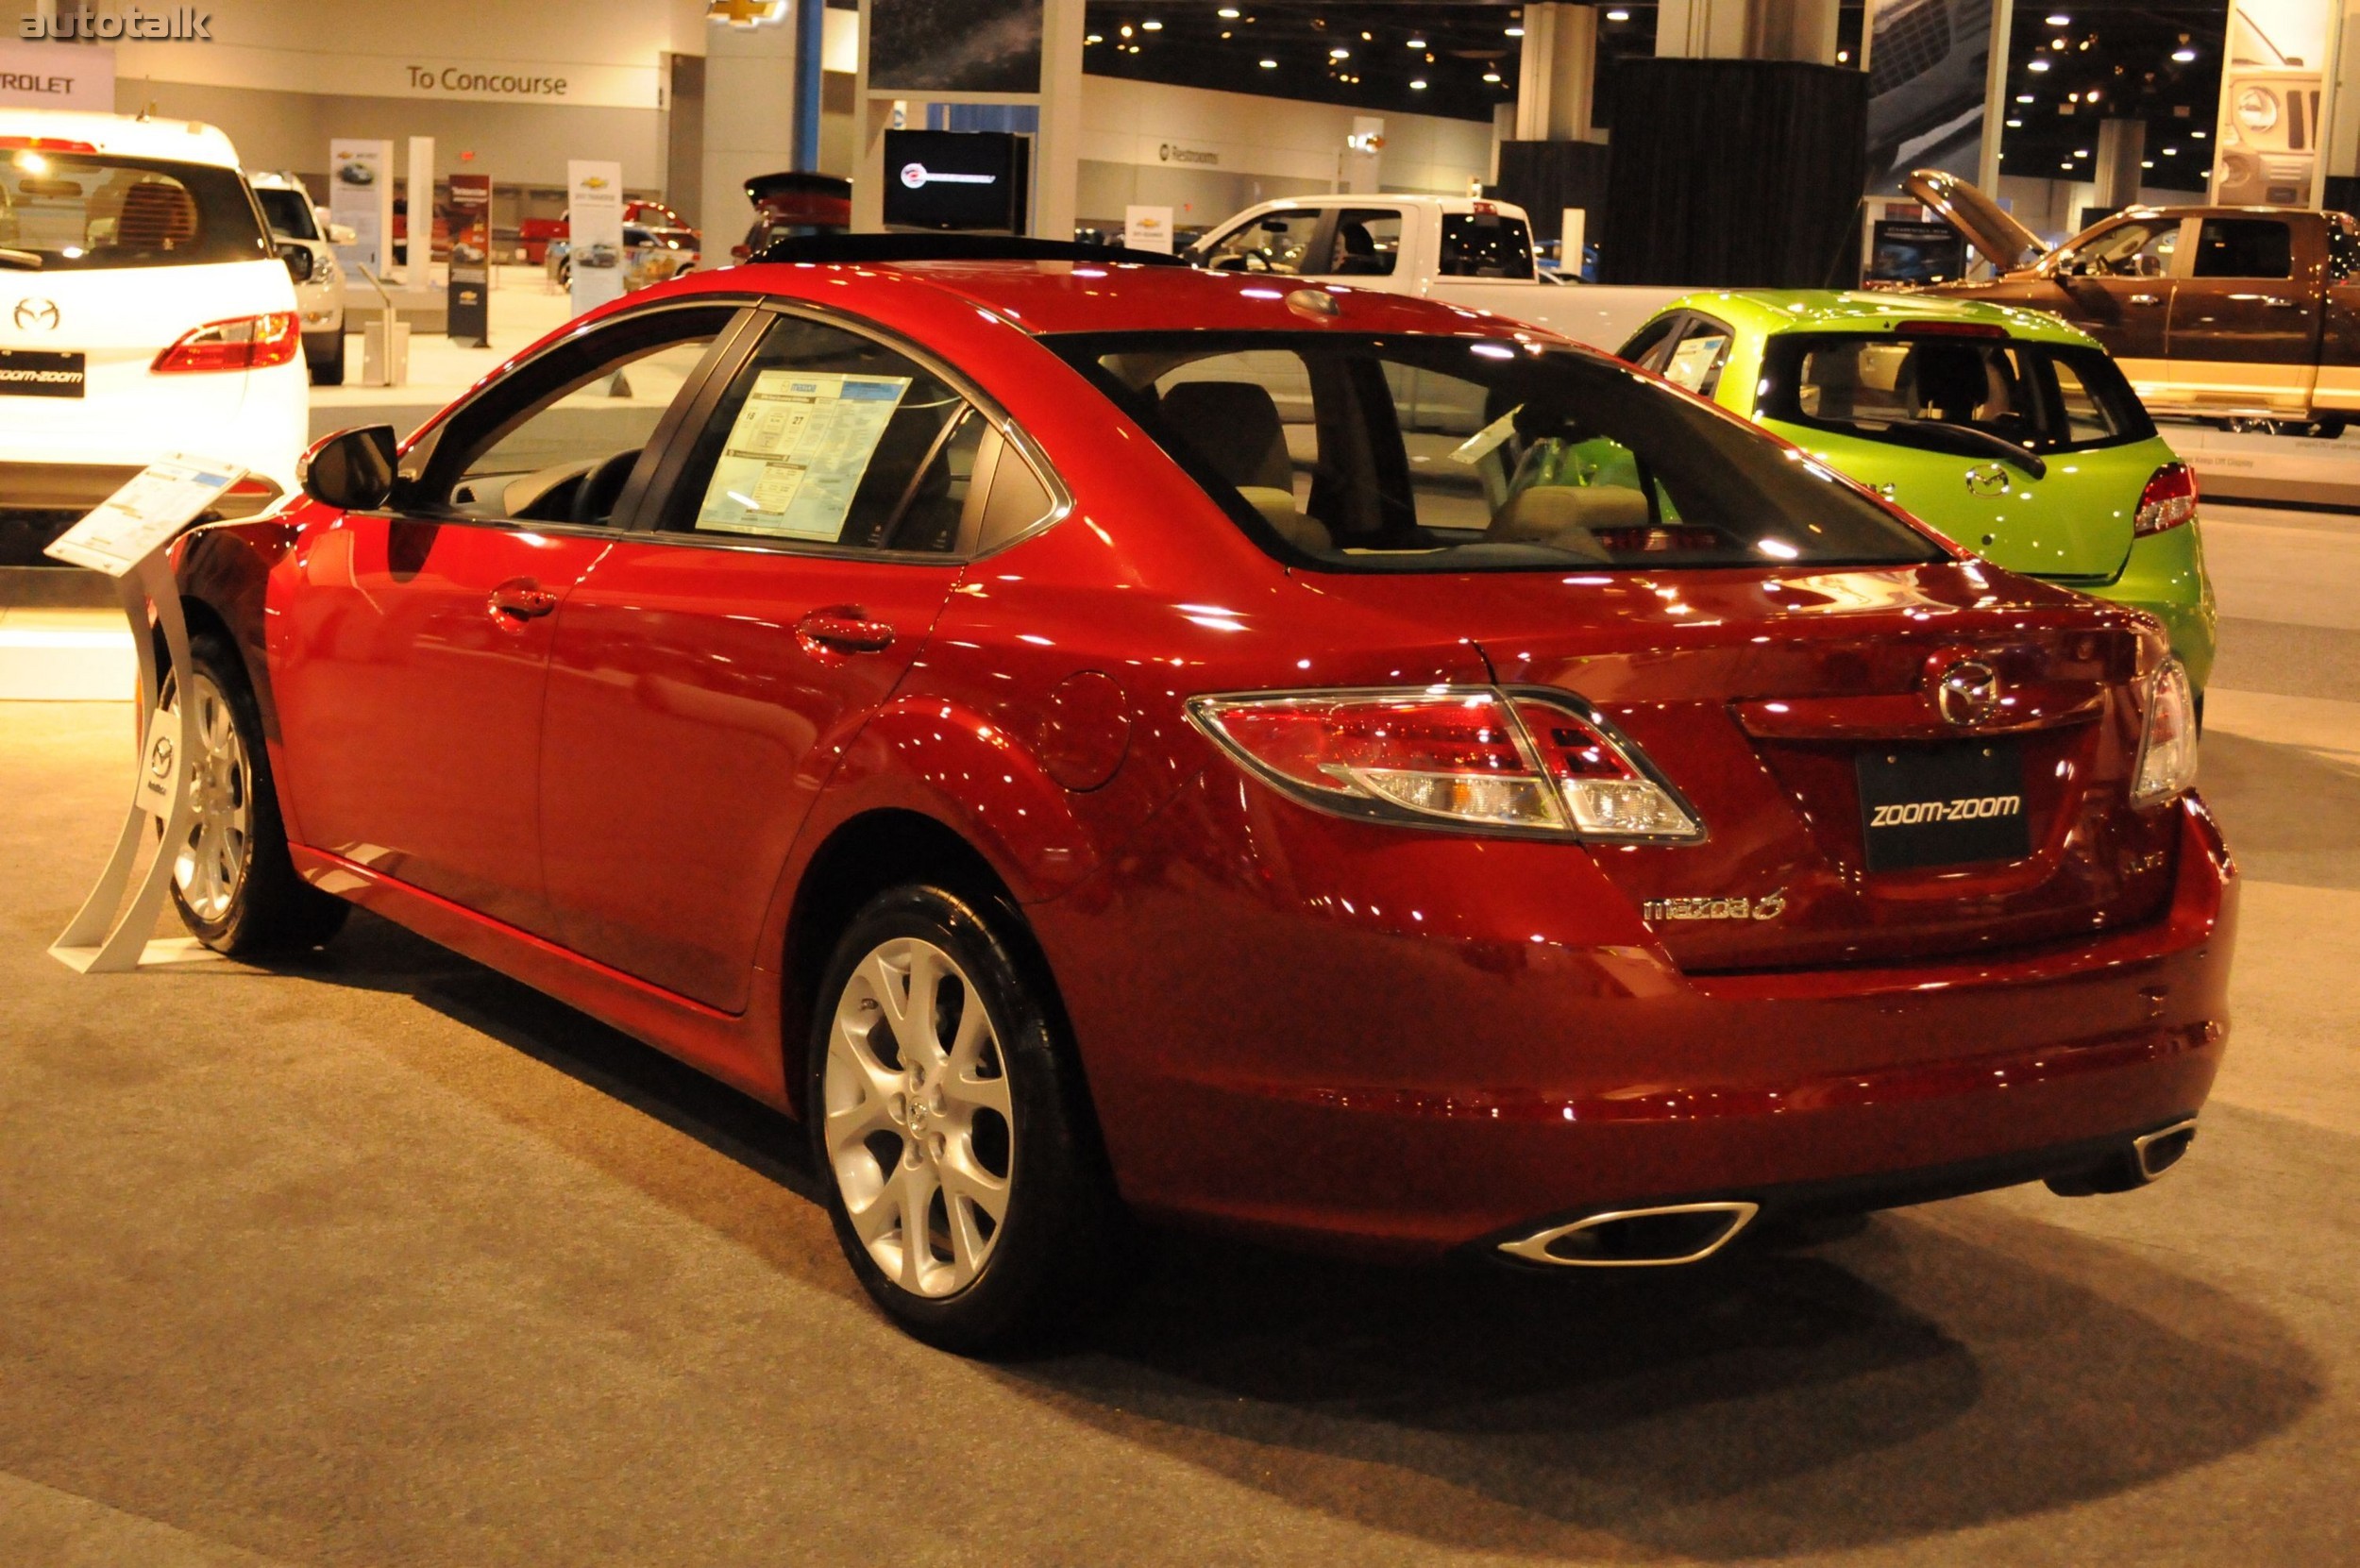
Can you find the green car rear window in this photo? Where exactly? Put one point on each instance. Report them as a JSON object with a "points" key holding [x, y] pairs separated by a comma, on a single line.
{"points": [[1942, 391]]}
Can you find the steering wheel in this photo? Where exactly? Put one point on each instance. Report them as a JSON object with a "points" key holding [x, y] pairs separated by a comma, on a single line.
{"points": [[601, 487]]}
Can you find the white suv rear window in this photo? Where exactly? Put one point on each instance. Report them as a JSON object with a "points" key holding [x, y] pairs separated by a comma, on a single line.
{"points": [[83, 211]]}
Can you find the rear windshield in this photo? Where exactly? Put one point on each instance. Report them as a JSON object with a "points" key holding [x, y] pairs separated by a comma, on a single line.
{"points": [[83, 211], [289, 212], [1485, 244], [1433, 455], [1951, 393]]}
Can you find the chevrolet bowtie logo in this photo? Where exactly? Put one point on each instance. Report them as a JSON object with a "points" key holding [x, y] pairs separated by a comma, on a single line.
{"points": [[746, 13]]}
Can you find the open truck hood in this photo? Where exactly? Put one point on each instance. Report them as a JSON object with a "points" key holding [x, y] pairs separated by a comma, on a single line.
{"points": [[1978, 220]]}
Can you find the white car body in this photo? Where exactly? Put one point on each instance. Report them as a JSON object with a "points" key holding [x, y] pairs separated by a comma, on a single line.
{"points": [[320, 296], [1601, 315], [61, 454]]}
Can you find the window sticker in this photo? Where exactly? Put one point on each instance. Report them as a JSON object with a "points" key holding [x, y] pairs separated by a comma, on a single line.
{"points": [[796, 454], [1691, 362]]}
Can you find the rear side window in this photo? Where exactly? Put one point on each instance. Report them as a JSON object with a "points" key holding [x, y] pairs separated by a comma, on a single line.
{"points": [[2244, 247], [1367, 242], [2343, 250], [1434, 454], [1945, 393], [66, 211], [1485, 244]]}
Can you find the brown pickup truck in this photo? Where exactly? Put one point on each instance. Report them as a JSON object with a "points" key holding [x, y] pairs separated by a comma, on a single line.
{"points": [[2231, 314]]}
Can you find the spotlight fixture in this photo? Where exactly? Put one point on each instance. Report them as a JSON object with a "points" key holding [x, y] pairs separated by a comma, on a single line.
{"points": [[1269, 65], [1516, 32], [1340, 52], [1124, 29], [1227, 13], [1418, 86], [2015, 124], [1151, 26], [2024, 97], [2037, 65], [1095, 38], [1618, 16], [2058, 19], [1492, 76], [1416, 44], [2199, 135], [2183, 54]]}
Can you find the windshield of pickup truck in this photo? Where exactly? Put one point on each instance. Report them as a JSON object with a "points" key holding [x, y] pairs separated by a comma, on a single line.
{"points": [[1450, 454]]}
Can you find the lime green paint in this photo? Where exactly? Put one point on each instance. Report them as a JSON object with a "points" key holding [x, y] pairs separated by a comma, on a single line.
{"points": [[2072, 526]]}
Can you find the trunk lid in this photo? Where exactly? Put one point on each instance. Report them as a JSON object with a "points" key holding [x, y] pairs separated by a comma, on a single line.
{"points": [[1756, 694], [1977, 218]]}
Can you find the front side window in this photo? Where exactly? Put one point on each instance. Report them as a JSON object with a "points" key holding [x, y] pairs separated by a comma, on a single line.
{"points": [[1367, 242], [1276, 241], [826, 438], [288, 212], [2138, 247], [1430, 454], [1949, 393], [2244, 247], [65, 212], [1485, 244], [558, 440]]}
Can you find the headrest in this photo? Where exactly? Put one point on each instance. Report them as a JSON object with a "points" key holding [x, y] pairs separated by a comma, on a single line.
{"points": [[1235, 427]]}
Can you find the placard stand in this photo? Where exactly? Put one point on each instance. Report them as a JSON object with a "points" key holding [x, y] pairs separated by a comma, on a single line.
{"points": [[129, 537]]}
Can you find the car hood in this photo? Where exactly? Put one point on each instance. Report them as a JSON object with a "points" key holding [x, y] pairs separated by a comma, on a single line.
{"points": [[1978, 219]]}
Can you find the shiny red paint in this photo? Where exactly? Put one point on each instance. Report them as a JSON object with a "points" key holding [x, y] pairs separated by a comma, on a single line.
{"points": [[1395, 1038]]}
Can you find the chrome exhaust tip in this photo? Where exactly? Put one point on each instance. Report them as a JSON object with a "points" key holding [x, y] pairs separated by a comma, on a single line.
{"points": [[2160, 1150], [2132, 1166], [1637, 1237]]}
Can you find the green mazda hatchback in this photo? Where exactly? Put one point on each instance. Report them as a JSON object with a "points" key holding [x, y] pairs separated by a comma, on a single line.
{"points": [[2005, 429]]}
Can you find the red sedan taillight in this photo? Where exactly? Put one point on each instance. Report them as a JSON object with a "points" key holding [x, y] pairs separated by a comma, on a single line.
{"points": [[1471, 755], [246, 343], [2168, 501]]}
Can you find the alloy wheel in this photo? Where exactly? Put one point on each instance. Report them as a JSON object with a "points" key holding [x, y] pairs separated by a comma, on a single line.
{"points": [[211, 864], [918, 1131]]}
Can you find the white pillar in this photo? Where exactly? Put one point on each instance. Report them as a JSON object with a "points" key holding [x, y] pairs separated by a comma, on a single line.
{"points": [[1057, 154], [418, 228], [2120, 145], [1747, 29], [749, 124], [1556, 75]]}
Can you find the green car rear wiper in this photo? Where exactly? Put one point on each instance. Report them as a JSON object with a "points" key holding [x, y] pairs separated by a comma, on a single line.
{"points": [[1943, 436]]}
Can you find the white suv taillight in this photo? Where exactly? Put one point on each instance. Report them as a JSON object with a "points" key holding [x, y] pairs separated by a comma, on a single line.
{"points": [[2168, 501], [2167, 741], [247, 343], [1473, 755]]}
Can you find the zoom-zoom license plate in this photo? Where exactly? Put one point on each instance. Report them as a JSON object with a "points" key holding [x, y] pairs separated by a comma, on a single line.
{"points": [[40, 373], [1942, 805]]}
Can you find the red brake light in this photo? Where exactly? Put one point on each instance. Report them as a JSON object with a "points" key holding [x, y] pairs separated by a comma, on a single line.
{"points": [[1468, 755], [44, 144], [2168, 501], [1949, 329], [246, 343]]}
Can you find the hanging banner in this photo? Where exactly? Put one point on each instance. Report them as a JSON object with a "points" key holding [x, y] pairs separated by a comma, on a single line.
{"points": [[361, 197], [953, 46], [57, 75], [470, 308], [1929, 65], [594, 228], [2266, 150]]}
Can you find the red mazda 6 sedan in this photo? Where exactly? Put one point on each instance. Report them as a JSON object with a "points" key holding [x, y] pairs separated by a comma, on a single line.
{"points": [[1095, 739]]}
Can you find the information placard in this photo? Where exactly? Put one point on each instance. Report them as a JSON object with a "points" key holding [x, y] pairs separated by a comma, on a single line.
{"points": [[128, 526], [470, 304], [361, 197], [797, 453], [596, 263]]}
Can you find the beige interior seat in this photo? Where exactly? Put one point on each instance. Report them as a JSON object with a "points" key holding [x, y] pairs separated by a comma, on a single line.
{"points": [[1235, 427], [1563, 517]]}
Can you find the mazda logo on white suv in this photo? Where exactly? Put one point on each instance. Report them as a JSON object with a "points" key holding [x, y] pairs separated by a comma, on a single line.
{"points": [[36, 315]]}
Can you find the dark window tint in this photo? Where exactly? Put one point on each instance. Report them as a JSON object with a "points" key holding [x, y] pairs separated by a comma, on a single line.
{"points": [[2343, 249], [1367, 242], [1431, 454], [1949, 394], [2244, 247], [1485, 244], [828, 438], [288, 212], [84, 212]]}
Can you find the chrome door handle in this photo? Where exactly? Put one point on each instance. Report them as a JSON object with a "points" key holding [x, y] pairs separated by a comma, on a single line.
{"points": [[521, 598], [845, 628], [2146, 300], [2277, 303]]}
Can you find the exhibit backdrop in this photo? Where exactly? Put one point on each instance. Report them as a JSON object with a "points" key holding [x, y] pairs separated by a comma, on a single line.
{"points": [[360, 196], [594, 231], [1929, 84], [955, 45], [57, 75], [2272, 83]]}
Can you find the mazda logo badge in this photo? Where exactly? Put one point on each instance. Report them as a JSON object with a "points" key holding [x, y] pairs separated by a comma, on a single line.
{"points": [[1968, 691], [36, 315], [1987, 482]]}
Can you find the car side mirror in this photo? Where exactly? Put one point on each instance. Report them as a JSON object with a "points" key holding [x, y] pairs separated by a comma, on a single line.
{"points": [[299, 259], [352, 470]]}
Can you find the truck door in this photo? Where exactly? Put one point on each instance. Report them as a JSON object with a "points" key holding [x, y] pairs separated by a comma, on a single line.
{"points": [[2246, 318]]}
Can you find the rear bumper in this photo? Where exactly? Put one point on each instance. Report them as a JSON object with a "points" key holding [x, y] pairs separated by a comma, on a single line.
{"points": [[1415, 1092]]}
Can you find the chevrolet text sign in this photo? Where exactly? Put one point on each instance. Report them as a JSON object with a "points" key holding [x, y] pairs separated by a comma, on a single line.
{"points": [[51, 75]]}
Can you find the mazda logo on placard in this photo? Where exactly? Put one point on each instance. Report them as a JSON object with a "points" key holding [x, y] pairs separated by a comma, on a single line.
{"points": [[36, 315], [1968, 691]]}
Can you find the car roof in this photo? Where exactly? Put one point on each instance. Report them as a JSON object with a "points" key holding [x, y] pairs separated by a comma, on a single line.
{"points": [[182, 141], [1770, 312], [272, 179], [1117, 297]]}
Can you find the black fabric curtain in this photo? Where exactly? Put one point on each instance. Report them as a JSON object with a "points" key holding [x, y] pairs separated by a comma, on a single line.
{"points": [[1546, 177], [1735, 174]]}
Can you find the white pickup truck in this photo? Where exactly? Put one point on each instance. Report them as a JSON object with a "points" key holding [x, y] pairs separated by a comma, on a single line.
{"points": [[1460, 250]]}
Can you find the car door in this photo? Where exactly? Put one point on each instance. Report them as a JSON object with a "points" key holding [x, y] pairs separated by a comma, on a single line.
{"points": [[710, 668], [2244, 328], [411, 654], [2119, 278]]}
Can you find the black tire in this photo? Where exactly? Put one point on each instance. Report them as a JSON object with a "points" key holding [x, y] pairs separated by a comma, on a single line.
{"points": [[1052, 1255], [329, 369], [268, 908]]}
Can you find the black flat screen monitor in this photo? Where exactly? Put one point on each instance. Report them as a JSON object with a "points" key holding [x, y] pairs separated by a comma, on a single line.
{"points": [[972, 180], [1915, 253]]}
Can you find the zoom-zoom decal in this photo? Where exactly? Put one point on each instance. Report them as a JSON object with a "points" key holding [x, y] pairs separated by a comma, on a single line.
{"points": [[1966, 808]]}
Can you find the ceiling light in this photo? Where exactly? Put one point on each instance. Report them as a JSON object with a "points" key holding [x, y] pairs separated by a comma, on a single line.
{"points": [[2146, 162], [1516, 32], [2065, 166], [1418, 86], [1227, 13], [2197, 134], [2171, 152], [2081, 152], [2037, 65], [2059, 19], [1416, 44], [2184, 56], [2024, 97], [1368, 38], [2015, 124], [1124, 29], [1618, 16], [1151, 26], [1340, 52], [1095, 38], [1269, 65], [2057, 43], [1843, 57], [1491, 75]]}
